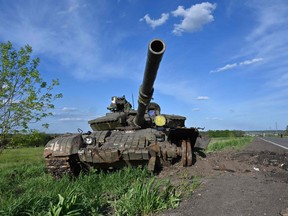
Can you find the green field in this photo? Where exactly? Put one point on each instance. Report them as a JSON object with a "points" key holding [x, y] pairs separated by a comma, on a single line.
{"points": [[26, 189], [10, 158]]}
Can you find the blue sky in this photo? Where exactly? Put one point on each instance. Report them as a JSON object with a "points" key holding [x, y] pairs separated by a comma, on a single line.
{"points": [[225, 65]]}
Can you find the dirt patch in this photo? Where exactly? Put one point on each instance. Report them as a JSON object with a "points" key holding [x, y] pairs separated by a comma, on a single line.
{"points": [[253, 181], [271, 164], [248, 160]]}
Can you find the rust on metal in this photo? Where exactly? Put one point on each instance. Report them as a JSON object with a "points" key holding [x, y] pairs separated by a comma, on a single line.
{"points": [[184, 153], [189, 154]]}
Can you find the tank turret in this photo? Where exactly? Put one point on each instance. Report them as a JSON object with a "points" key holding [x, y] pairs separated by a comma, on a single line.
{"points": [[122, 116]]}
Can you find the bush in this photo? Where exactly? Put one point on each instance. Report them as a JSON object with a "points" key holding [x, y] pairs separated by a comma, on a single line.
{"points": [[225, 133], [235, 143], [33, 139]]}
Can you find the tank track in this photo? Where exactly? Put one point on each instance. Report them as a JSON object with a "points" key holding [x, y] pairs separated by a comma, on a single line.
{"points": [[61, 166]]}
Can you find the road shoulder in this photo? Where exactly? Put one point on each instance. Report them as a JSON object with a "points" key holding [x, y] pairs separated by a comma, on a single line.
{"points": [[253, 181]]}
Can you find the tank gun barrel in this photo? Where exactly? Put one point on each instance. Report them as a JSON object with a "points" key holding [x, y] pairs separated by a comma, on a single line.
{"points": [[156, 50]]}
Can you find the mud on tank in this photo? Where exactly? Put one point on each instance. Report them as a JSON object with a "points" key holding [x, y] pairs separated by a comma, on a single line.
{"points": [[125, 136]]}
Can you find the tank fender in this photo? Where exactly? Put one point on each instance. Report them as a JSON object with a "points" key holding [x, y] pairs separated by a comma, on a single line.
{"points": [[202, 142], [63, 146]]}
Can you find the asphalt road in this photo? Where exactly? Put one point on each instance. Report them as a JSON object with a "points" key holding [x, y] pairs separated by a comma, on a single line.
{"points": [[252, 184], [280, 142]]}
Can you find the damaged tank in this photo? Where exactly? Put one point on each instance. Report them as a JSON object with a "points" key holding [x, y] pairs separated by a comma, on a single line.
{"points": [[125, 136]]}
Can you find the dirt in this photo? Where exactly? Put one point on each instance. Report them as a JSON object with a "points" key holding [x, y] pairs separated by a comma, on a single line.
{"points": [[253, 181]]}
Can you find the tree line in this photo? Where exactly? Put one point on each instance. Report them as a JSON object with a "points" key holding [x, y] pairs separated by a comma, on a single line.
{"points": [[225, 133], [32, 139]]}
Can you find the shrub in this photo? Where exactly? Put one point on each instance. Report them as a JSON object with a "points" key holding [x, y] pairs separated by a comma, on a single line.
{"points": [[225, 133], [33, 139]]}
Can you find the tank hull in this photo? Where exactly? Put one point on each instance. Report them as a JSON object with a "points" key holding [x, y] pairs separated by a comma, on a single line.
{"points": [[116, 149]]}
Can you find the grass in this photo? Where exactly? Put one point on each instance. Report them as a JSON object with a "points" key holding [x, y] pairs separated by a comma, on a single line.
{"points": [[218, 144], [10, 158], [25, 189]]}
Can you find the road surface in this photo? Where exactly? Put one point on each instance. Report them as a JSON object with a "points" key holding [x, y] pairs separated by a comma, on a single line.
{"points": [[280, 142], [253, 181]]}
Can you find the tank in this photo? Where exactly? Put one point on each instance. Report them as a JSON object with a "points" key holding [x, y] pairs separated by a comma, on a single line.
{"points": [[128, 137]]}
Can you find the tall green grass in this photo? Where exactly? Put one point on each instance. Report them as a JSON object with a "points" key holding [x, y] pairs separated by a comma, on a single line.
{"points": [[218, 144], [25, 189], [16, 157]]}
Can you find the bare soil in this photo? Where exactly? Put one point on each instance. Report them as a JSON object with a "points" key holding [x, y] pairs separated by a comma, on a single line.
{"points": [[253, 181]]}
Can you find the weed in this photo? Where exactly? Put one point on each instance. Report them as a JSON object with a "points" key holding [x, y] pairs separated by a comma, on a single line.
{"points": [[235, 143], [148, 197], [66, 206], [187, 186], [27, 190]]}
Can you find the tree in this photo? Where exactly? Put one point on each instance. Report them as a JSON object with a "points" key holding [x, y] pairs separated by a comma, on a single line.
{"points": [[24, 96]]}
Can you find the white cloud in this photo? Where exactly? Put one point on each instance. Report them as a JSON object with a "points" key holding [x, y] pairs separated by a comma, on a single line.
{"points": [[268, 38], [269, 15], [73, 5], [247, 62], [67, 109], [202, 98], [72, 119], [194, 17], [214, 118], [71, 114], [182, 90], [279, 82], [157, 22], [226, 67], [195, 109], [234, 65], [65, 34]]}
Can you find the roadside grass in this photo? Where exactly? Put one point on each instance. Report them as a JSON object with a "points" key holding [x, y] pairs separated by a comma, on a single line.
{"points": [[21, 156], [25, 189], [188, 183], [218, 144]]}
